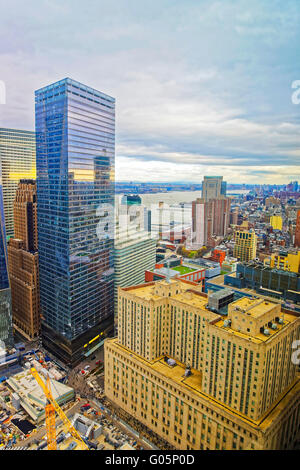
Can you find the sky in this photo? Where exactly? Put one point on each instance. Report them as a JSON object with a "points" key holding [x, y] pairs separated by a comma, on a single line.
{"points": [[202, 87]]}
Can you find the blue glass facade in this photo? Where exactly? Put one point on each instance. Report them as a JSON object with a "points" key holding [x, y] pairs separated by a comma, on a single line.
{"points": [[6, 335], [75, 147]]}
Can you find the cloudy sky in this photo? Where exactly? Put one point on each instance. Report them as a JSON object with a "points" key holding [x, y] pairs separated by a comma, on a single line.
{"points": [[202, 87]]}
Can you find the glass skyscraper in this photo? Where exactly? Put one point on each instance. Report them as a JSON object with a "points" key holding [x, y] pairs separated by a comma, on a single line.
{"points": [[6, 332], [17, 158], [75, 135]]}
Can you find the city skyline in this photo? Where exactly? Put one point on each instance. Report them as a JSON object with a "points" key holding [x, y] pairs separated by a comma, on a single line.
{"points": [[225, 108]]}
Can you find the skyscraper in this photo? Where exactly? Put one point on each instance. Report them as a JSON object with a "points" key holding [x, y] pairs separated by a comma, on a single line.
{"points": [[75, 129], [209, 218], [6, 334], [25, 215], [213, 187], [135, 253], [17, 158], [23, 262]]}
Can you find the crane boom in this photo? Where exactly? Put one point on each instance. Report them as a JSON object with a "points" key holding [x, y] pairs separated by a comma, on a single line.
{"points": [[47, 391]]}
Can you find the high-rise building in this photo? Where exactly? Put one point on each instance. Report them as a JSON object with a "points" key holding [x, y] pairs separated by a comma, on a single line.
{"points": [[202, 379], [213, 187], [25, 215], [135, 253], [17, 159], [209, 218], [245, 245], [23, 262], [6, 332], [75, 132], [297, 231], [131, 213]]}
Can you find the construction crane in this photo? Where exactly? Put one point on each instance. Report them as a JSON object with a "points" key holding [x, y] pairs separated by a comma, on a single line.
{"points": [[50, 409]]}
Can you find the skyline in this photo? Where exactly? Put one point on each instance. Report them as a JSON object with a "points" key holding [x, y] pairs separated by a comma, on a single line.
{"points": [[220, 77]]}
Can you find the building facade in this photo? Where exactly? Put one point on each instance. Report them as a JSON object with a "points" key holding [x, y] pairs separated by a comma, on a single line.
{"points": [[135, 253], [24, 281], [23, 262], [75, 129], [201, 380], [276, 222], [213, 187], [6, 332], [245, 245], [284, 260], [25, 215], [210, 218], [264, 280], [297, 230], [17, 159]]}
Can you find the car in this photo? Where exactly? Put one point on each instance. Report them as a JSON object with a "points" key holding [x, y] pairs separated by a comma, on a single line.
{"points": [[87, 367], [93, 358]]}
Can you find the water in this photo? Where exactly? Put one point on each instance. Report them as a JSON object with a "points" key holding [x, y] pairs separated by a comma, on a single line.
{"points": [[176, 197]]}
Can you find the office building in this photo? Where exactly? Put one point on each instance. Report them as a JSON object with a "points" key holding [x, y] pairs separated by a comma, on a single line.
{"points": [[284, 260], [202, 379], [213, 187], [267, 281], [17, 159], [75, 132], [131, 213], [23, 262], [245, 245], [6, 332], [25, 214], [24, 281], [210, 218], [276, 222], [135, 253]]}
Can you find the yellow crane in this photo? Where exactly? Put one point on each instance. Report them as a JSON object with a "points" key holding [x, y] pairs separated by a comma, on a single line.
{"points": [[50, 409]]}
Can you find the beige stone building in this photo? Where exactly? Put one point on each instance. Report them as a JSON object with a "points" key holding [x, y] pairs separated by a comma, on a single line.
{"points": [[202, 380], [245, 245]]}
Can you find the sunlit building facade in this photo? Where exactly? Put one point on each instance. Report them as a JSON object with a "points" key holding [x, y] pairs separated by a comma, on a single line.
{"points": [[23, 262], [6, 336], [200, 379], [245, 245], [75, 128], [17, 159]]}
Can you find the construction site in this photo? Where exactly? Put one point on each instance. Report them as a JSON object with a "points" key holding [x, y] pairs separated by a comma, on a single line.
{"points": [[44, 406]]}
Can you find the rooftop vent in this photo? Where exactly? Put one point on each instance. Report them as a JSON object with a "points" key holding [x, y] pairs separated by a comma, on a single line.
{"points": [[171, 362]]}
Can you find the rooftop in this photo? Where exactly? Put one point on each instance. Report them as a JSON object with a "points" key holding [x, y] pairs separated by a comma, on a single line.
{"points": [[149, 291], [254, 307]]}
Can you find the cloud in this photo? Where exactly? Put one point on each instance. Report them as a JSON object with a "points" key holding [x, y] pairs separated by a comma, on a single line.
{"points": [[200, 86]]}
